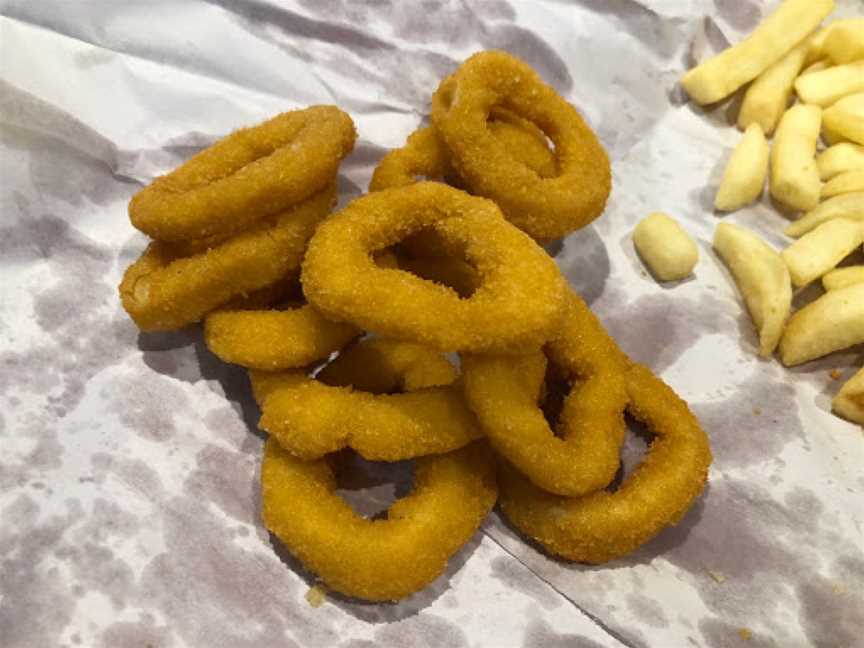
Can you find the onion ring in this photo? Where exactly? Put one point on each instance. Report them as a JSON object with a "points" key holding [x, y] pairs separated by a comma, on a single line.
{"points": [[163, 291], [545, 208], [517, 304], [504, 391], [377, 560], [603, 526], [275, 339], [385, 366], [424, 155], [311, 419], [245, 177]]}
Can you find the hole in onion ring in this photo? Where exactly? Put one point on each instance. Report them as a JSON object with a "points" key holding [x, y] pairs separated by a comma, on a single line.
{"points": [[633, 450], [370, 487]]}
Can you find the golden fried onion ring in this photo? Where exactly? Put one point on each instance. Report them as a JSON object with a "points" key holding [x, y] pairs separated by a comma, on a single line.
{"points": [[517, 304], [504, 391], [377, 560], [249, 175], [545, 208], [603, 526], [311, 419], [164, 291]]}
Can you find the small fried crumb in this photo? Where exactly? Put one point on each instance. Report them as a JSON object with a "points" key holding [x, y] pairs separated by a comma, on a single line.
{"points": [[316, 595], [717, 576], [836, 374], [745, 634], [757, 411], [838, 588]]}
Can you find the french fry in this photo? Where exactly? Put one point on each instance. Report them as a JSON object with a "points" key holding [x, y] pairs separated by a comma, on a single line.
{"points": [[842, 277], [832, 323], [845, 41], [849, 206], [794, 177], [832, 137], [745, 172], [723, 74], [762, 279], [849, 401], [665, 247], [818, 66], [820, 251], [846, 117], [831, 84], [838, 159], [817, 41], [768, 96], [844, 183]]}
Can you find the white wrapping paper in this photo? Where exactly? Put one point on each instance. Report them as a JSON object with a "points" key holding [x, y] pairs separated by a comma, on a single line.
{"points": [[129, 511]]}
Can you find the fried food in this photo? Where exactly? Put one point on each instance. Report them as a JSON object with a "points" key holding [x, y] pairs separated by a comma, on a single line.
{"points": [[503, 391], [794, 176], [545, 208], [848, 182], [840, 158], [820, 250], [788, 25], [745, 173], [275, 339], [832, 323], [311, 419], [832, 84], [602, 526], [849, 206], [665, 247], [425, 156], [849, 402], [251, 174], [517, 304], [386, 559], [845, 41], [767, 97], [842, 277], [762, 278], [846, 118], [162, 291]]}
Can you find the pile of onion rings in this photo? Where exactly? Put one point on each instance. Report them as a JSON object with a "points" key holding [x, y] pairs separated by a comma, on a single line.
{"points": [[344, 323]]}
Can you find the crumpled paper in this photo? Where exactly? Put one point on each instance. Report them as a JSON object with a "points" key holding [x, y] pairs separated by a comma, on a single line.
{"points": [[129, 461]]}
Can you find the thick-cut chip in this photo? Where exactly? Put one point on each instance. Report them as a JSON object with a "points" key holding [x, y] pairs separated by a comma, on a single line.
{"points": [[849, 402], [788, 25], [845, 41], [162, 291], [820, 250], [832, 323], [745, 172], [849, 206], [832, 84], [846, 118], [767, 97], [762, 278], [840, 158], [794, 176], [386, 559], [842, 277], [665, 247], [251, 174], [847, 182]]}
